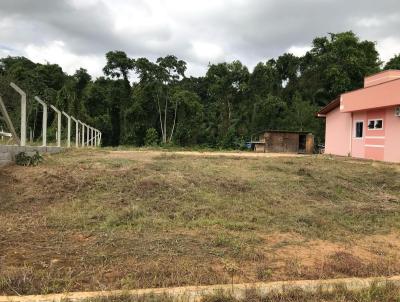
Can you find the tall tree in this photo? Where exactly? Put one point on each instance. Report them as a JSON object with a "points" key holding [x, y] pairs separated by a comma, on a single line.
{"points": [[227, 89], [336, 64], [119, 66], [162, 77], [393, 63]]}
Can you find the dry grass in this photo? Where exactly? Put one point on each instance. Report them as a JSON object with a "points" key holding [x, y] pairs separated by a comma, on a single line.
{"points": [[90, 220], [386, 293]]}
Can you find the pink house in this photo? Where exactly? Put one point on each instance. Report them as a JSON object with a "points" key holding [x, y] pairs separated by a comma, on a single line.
{"points": [[365, 123]]}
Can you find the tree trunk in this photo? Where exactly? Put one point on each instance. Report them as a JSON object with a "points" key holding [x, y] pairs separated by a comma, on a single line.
{"points": [[165, 120], [173, 126], [160, 116]]}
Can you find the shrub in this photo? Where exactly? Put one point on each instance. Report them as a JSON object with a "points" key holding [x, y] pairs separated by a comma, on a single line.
{"points": [[24, 159], [151, 138]]}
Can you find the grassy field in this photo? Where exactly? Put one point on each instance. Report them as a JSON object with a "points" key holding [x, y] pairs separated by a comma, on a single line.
{"points": [[92, 220]]}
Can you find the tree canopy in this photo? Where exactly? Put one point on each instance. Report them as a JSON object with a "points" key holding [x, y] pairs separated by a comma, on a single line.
{"points": [[223, 108]]}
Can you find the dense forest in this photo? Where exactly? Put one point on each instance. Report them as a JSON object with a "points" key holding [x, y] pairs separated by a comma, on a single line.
{"points": [[222, 109]]}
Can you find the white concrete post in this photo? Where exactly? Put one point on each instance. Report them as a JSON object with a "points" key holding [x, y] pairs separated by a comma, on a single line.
{"points": [[68, 129], [58, 125], [92, 134], [95, 137], [89, 141], [83, 134], [87, 135], [23, 113], [100, 139], [76, 132], [44, 120]]}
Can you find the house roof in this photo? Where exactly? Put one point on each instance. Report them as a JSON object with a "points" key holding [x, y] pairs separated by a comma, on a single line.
{"points": [[328, 108], [381, 95]]}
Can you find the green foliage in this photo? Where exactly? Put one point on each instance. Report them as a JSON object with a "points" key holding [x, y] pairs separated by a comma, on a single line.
{"points": [[23, 159], [151, 138], [222, 109], [394, 63], [336, 64]]}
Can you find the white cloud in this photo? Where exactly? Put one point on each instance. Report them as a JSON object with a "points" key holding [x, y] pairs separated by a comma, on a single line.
{"points": [[84, 3], [4, 52], [207, 52], [369, 22], [56, 52], [298, 51], [388, 47], [196, 31]]}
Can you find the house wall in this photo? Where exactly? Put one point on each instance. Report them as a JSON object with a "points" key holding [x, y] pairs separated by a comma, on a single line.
{"points": [[357, 144], [375, 139], [392, 136], [375, 144], [382, 95], [338, 129], [377, 100]]}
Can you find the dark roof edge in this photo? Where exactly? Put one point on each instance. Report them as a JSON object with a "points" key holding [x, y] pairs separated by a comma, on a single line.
{"points": [[328, 108]]}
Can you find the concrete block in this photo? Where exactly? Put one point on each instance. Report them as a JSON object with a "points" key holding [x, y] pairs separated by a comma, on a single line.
{"points": [[8, 152], [7, 148], [19, 149], [5, 156], [53, 149], [33, 149]]}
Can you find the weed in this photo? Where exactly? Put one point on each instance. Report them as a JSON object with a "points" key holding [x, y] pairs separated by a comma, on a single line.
{"points": [[264, 273], [23, 159]]}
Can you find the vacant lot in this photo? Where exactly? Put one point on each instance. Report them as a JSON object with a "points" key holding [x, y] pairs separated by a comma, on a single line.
{"points": [[90, 220]]}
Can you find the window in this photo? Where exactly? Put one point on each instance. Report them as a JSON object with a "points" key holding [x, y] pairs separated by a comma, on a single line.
{"points": [[371, 124], [375, 124], [359, 129]]}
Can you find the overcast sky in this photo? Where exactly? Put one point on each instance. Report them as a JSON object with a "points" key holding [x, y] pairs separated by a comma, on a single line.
{"points": [[77, 33]]}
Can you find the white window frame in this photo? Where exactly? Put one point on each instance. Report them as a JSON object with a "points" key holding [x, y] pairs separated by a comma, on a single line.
{"points": [[375, 120], [355, 129]]}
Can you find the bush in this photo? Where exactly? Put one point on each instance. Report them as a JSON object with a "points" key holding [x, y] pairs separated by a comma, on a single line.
{"points": [[24, 159], [151, 138]]}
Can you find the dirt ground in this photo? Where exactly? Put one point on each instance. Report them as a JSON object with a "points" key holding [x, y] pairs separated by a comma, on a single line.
{"points": [[92, 220], [151, 153]]}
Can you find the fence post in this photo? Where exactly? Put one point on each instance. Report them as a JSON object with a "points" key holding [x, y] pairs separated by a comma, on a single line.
{"points": [[92, 137], [76, 132], [8, 121], [87, 135], [95, 137], [58, 125], [44, 120], [83, 134], [68, 129], [23, 113]]}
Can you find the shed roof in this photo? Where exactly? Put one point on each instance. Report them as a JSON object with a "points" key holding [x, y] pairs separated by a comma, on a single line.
{"points": [[328, 108], [282, 131]]}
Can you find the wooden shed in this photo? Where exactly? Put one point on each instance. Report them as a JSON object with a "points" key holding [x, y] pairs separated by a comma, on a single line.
{"points": [[284, 141]]}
